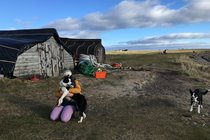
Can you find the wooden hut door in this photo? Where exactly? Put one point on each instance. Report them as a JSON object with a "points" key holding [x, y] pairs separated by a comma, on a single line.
{"points": [[45, 62], [49, 60], [55, 60], [99, 55]]}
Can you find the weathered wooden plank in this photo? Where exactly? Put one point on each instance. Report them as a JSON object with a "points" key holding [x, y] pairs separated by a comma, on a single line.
{"points": [[28, 65], [35, 54], [68, 61], [28, 61], [23, 71], [26, 73]]}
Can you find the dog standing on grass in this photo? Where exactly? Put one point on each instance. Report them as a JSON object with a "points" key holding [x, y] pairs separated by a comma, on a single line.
{"points": [[197, 98]]}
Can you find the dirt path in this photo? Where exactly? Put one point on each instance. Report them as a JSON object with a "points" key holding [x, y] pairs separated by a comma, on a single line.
{"points": [[137, 83]]}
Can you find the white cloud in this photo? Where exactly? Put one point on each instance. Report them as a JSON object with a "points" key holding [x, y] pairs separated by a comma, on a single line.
{"points": [[11, 28], [137, 14], [175, 40], [194, 11], [65, 24], [80, 34], [170, 38], [129, 14]]}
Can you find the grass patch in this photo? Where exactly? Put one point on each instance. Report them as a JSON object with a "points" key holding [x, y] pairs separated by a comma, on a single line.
{"points": [[194, 69], [153, 60]]}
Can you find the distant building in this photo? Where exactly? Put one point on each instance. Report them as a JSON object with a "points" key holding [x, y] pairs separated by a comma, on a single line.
{"points": [[124, 50]]}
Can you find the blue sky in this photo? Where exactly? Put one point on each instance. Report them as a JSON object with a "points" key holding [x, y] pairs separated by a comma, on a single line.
{"points": [[121, 24]]}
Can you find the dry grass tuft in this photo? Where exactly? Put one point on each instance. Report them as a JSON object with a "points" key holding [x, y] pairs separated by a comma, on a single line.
{"points": [[194, 69]]}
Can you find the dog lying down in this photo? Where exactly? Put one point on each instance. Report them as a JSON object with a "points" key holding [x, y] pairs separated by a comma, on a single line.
{"points": [[78, 100], [197, 98]]}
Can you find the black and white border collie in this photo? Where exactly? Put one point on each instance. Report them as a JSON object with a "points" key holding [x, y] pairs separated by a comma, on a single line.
{"points": [[197, 98], [65, 84], [80, 105], [78, 100]]}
